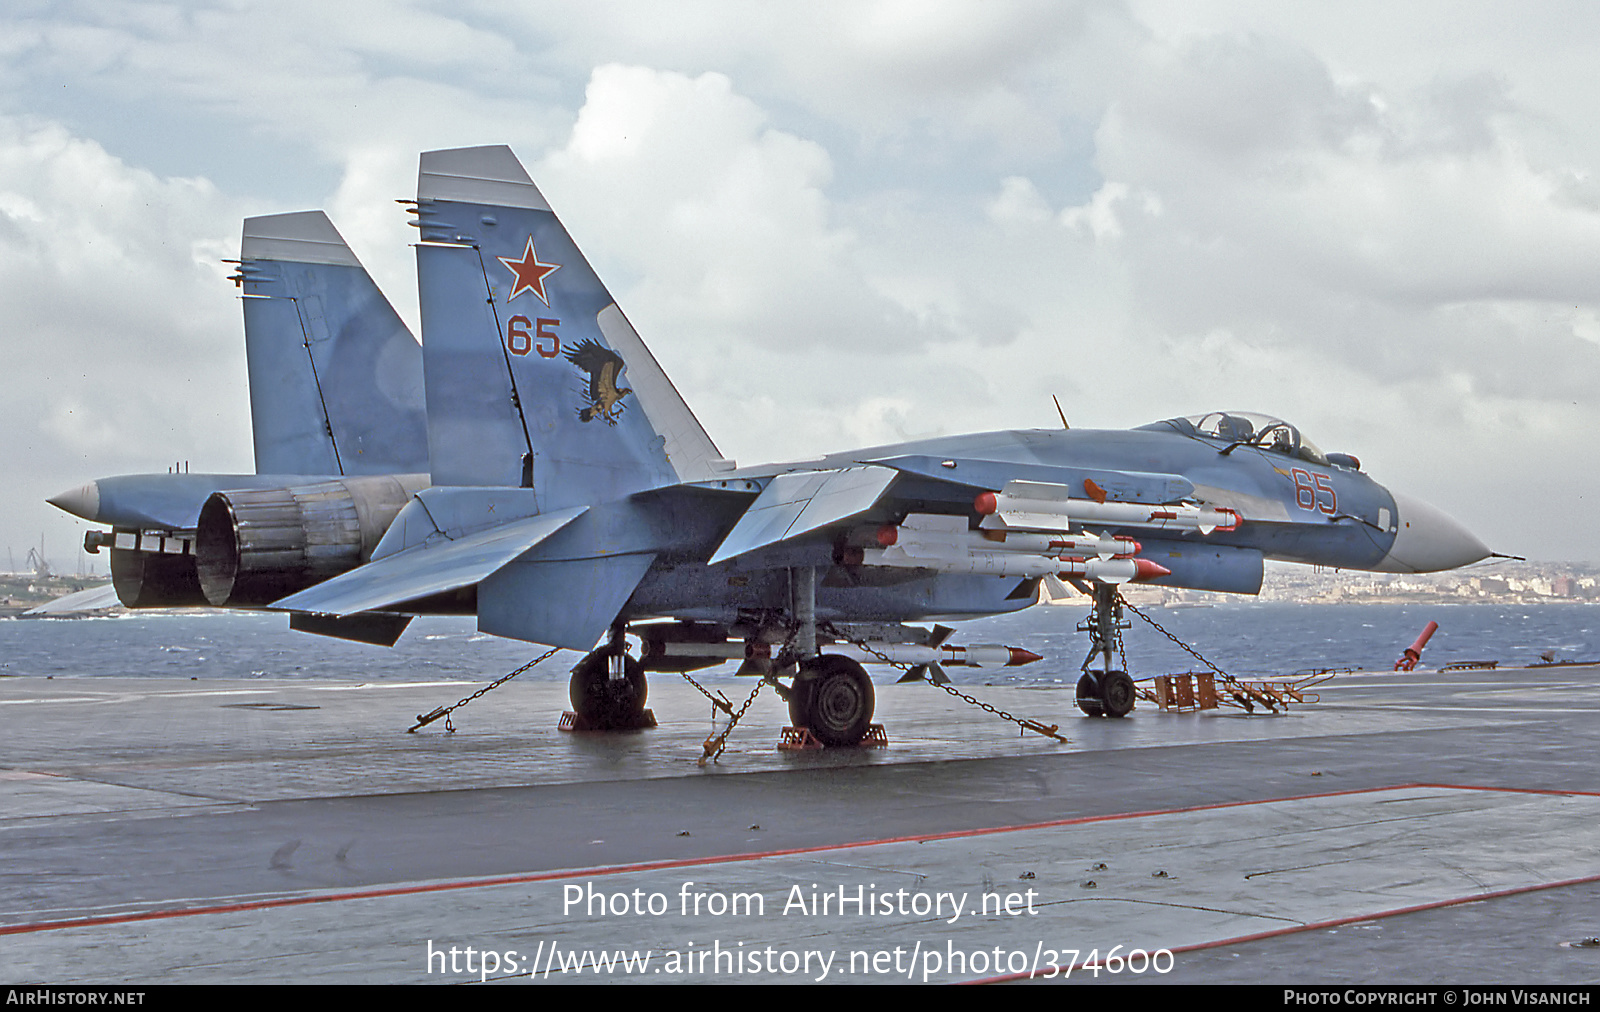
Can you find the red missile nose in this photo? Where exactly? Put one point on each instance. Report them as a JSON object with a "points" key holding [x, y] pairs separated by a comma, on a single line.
{"points": [[986, 503], [1021, 656], [1144, 569], [888, 535]]}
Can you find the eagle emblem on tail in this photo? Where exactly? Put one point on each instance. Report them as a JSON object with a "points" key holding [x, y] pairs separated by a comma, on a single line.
{"points": [[604, 366]]}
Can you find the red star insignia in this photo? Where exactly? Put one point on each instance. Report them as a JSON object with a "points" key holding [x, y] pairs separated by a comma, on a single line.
{"points": [[529, 272]]}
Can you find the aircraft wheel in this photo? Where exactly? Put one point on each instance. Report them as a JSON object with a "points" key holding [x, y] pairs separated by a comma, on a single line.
{"points": [[832, 696], [1089, 696], [1117, 694], [605, 704]]}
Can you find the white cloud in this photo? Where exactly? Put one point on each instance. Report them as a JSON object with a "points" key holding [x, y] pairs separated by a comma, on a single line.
{"points": [[1360, 245], [842, 222], [1018, 203], [121, 342], [716, 234], [1099, 215]]}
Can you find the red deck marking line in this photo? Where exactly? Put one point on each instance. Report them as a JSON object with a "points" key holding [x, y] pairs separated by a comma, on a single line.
{"points": [[1339, 922], [1514, 790], [693, 862]]}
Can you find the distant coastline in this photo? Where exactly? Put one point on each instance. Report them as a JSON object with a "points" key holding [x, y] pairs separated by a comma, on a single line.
{"points": [[1520, 583]]}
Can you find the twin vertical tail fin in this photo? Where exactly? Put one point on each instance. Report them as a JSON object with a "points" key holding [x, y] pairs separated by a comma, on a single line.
{"points": [[534, 376], [335, 377]]}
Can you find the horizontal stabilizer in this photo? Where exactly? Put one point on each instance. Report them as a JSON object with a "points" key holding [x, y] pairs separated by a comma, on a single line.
{"points": [[433, 567], [381, 629], [803, 501]]}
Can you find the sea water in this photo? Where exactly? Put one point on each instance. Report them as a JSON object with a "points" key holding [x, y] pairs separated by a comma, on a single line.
{"points": [[1246, 638]]}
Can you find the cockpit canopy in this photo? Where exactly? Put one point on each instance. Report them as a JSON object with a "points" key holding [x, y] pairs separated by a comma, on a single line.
{"points": [[1249, 428]]}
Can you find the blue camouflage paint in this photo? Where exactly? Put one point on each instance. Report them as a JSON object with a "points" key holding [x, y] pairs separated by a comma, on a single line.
{"points": [[511, 315], [492, 347], [335, 376], [573, 488]]}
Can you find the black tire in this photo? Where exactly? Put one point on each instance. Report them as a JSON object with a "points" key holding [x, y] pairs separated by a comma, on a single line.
{"points": [[832, 696], [1089, 696], [1117, 694], [604, 704]]}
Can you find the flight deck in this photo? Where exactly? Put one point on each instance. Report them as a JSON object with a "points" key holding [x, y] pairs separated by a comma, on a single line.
{"points": [[1409, 828]]}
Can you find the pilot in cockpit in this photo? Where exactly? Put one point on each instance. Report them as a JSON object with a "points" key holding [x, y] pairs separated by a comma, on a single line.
{"points": [[1234, 429]]}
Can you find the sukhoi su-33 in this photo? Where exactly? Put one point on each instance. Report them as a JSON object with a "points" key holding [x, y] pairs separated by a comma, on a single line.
{"points": [[572, 499]]}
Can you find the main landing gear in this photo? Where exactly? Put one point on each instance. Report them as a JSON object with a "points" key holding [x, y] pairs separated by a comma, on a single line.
{"points": [[1106, 691], [832, 696], [608, 688]]}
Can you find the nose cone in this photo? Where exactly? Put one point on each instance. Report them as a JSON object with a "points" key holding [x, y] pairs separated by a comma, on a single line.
{"points": [[83, 501], [1429, 541]]}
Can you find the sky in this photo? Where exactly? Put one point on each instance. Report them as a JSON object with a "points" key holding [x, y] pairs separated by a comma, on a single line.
{"points": [[852, 223]]}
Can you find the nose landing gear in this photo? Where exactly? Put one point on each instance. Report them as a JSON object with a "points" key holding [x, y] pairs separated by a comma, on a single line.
{"points": [[1106, 692]]}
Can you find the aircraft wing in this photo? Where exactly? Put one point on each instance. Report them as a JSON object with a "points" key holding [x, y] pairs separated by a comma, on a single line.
{"points": [[802, 501], [432, 567]]}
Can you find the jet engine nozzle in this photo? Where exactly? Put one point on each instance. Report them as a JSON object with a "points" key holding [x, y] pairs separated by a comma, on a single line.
{"points": [[255, 546]]}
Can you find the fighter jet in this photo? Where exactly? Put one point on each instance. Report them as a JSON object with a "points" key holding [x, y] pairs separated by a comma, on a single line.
{"points": [[340, 439], [576, 501]]}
